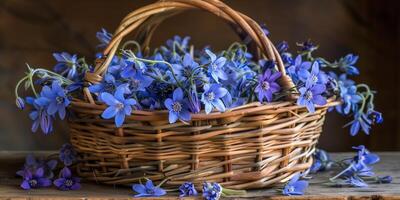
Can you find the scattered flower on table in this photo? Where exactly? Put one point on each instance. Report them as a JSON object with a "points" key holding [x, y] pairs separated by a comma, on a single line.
{"points": [[148, 190], [68, 155], [35, 179], [212, 191], [295, 186], [321, 161], [66, 181], [187, 189], [32, 164]]}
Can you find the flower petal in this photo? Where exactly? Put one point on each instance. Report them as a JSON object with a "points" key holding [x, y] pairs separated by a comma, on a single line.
{"points": [[172, 117], [110, 112], [139, 188], [219, 105], [109, 99], [119, 118], [178, 94]]}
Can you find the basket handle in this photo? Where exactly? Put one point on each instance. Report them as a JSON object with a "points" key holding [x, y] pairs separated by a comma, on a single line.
{"points": [[138, 17]]}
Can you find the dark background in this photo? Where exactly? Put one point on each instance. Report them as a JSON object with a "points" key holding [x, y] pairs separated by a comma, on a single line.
{"points": [[30, 31]]}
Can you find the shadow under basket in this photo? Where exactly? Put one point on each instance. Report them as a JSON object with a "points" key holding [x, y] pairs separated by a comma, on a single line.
{"points": [[252, 146]]}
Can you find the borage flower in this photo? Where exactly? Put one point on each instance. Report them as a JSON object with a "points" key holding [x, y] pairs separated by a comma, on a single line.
{"points": [[361, 121], [299, 69], [177, 107], [58, 99], [295, 186], [118, 106], [310, 96], [104, 37], [347, 63], [187, 189], [66, 181], [32, 164], [212, 97], [67, 154], [375, 116], [35, 180], [20, 103], [267, 86], [148, 190]]}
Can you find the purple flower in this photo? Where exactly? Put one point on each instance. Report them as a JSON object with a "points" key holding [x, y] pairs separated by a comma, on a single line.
{"points": [[104, 37], [34, 180], [57, 97], [295, 186], [194, 102], [310, 96], [215, 67], [307, 46], [177, 107], [212, 191], [67, 154], [67, 64], [148, 190], [267, 86], [187, 189], [66, 181], [39, 115], [299, 69], [118, 106], [212, 97], [32, 164]]}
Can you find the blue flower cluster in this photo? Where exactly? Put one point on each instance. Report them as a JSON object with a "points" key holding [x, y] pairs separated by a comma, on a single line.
{"points": [[38, 173], [183, 80], [358, 170]]}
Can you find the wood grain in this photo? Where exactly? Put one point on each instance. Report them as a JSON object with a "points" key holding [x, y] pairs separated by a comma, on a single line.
{"points": [[389, 165]]}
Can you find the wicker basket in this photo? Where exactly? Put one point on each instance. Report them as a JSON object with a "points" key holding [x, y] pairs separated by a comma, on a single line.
{"points": [[252, 146]]}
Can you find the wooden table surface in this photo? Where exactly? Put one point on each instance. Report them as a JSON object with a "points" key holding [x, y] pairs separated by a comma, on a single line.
{"points": [[10, 162]]}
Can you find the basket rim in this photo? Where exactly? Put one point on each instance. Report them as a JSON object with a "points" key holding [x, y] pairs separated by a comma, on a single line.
{"points": [[240, 110]]}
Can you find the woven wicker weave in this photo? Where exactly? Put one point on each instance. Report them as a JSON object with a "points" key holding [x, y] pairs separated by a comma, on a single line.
{"points": [[252, 146]]}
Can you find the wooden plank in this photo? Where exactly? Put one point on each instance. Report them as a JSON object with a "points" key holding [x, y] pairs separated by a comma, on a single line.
{"points": [[10, 162]]}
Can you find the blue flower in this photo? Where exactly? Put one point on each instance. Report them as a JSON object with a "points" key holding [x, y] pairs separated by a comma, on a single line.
{"points": [[347, 63], [299, 69], [104, 37], [39, 115], [212, 97], [193, 101], [187, 189], [57, 97], [360, 121], [315, 76], [384, 179], [355, 181], [321, 162], [148, 190], [139, 82], [20, 103], [35, 180], [188, 68], [295, 186], [212, 191], [118, 106], [66, 181], [363, 155], [310, 96], [375, 116], [350, 99], [177, 107], [215, 67], [67, 64], [178, 42], [67, 154], [267, 85], [108, 84]]}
